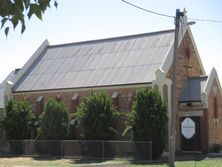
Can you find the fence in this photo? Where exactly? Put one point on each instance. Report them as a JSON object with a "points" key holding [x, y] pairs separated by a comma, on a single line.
{"points": [[77, 148]]}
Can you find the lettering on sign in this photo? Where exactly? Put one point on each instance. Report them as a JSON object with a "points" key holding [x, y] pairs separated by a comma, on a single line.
{"points": [[188, 128]]}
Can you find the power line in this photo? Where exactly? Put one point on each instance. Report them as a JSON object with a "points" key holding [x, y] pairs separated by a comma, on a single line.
{"points": [[169, 16], [146, 10], [205, 20]]}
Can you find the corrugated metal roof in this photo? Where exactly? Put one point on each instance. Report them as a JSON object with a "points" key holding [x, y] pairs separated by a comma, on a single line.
{"points": [[114, 61], [193, 89]]}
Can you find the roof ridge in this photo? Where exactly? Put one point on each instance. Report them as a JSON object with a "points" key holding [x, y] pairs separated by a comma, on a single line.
{"points": [[112, 38]]}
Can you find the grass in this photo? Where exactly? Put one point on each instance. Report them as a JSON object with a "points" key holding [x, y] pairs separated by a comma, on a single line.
{"points": [[52, 162]]}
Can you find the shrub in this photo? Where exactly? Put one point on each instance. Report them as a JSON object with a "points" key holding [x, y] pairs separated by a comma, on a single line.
{"points": [[147, 120], [18, 121], [97, 117], [54, 121]]}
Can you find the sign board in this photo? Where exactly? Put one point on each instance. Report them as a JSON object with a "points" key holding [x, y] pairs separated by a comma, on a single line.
{"points": [[188, 128]]}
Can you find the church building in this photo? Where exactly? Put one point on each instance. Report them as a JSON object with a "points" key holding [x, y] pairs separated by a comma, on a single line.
{"points": [[120, 66]]}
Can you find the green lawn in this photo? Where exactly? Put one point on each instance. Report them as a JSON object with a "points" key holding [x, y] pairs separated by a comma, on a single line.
{"points": [[40, 162]]}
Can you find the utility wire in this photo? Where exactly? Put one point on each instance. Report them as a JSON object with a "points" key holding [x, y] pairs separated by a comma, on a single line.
{"points": [[169, 16], [205, 20], [146, 10]]}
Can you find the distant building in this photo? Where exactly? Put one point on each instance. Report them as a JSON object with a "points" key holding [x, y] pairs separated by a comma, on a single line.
{"points": [[122, 65]]}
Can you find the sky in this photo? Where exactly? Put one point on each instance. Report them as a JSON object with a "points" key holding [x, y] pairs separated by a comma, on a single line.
{"points": [[81, 20]]}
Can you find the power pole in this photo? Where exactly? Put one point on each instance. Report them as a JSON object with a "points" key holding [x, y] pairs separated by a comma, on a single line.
{"points": [[172, 140]]}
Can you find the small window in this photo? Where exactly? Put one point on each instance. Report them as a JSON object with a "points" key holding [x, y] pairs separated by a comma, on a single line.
{"points": [[39, 105], [115, 99], [75, 102]]}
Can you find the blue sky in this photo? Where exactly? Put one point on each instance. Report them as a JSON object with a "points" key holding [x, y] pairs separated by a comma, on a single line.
{"points": [[79, 20]]}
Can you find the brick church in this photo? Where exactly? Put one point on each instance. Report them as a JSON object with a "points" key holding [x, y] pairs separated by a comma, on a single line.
{"points": [[120, 66]]}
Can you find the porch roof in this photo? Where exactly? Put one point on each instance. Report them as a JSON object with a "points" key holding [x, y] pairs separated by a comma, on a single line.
{"points": [[192, 89]]}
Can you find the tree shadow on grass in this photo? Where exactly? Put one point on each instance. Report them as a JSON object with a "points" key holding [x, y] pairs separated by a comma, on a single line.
{"points": [[46, 158], [90, 160], [147, 162], [191, 157], [36, 157], [9, 156]]}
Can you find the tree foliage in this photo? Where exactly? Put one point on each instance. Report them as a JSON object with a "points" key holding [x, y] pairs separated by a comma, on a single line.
{"points": [[97, 117], [18, 121], [54, 121], [148, 120], [15, 11]]}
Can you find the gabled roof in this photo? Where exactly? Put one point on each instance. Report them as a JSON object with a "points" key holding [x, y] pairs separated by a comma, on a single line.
{"points": [[107, 62], [193, 89], [209, 83], [209, 86], [169, 58]]}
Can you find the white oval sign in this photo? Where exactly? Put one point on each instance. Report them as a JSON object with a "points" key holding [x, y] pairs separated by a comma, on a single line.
{"points": [[188, 128]]}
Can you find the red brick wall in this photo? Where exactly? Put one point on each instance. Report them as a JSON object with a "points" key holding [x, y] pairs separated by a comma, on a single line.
{"points": [[215, 129], [187, 66], [124, 98], [125, 101], [194, 68]]}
